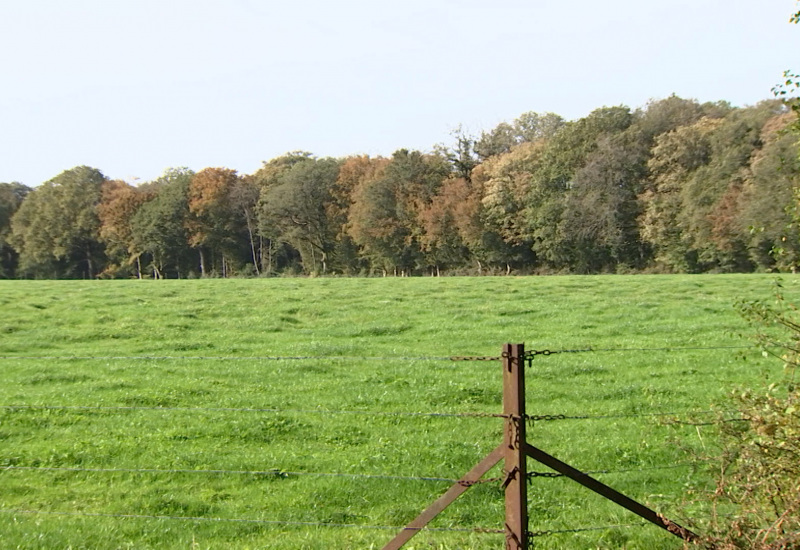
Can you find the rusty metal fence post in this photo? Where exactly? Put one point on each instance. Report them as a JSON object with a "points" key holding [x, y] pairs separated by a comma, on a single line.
{"points": [[516, 473], [514, 450]]}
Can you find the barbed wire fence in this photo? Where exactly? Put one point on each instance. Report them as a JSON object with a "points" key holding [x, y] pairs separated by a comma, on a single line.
{"points": [[686, 417]]}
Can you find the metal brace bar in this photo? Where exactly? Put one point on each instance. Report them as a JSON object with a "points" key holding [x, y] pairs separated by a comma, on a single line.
{"points": [[455, 491], [609, 493]]}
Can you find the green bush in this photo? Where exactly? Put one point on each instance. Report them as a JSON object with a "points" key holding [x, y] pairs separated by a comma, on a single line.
{"points": [[757, 496]]}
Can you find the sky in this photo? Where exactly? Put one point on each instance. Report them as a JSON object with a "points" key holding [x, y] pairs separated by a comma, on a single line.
{"points": [[133, 87]]}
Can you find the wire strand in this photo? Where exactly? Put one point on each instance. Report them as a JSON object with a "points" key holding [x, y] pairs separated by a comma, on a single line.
{"points": [[530, 418], [219, 358], [250, 409], [245, 520], [582, 529], [665, 348], [620, 471], [274, 472], [341, 357]]}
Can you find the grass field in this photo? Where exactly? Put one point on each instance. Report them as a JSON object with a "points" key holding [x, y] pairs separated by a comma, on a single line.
{"points": [[128, 405]]}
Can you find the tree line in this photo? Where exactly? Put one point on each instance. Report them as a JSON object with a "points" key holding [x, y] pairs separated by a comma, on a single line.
{"points": [[674, 186]]}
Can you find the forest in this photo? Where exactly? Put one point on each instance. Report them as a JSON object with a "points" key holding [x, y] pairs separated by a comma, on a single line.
{"points": [[676, 186]]}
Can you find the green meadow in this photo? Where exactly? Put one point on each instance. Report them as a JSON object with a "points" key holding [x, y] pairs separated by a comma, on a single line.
{"points": [[326, 413]]}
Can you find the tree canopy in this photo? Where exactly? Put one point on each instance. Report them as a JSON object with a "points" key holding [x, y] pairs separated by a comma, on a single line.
{"points": [[674, 186]]}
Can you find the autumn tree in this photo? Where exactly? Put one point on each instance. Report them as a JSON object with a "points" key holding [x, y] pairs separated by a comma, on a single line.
{"points": [[734, 144], [449, 224], [355, 173], [119, 203], [384, 220], [675, 157], [503, 183], [766, 215], [700, 191], [216, 223]]}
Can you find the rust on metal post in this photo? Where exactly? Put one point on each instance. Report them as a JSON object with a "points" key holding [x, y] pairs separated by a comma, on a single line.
{"points": [[516, 488], [604, 490], [456, 490]]}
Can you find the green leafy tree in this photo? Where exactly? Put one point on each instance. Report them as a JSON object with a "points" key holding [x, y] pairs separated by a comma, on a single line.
{"points": [[275, 251], [243, 198], [462, 156], [501, 139], [158, 228], [56, 229], [599, 230], [297, 204], [551, 182], [788, 89], [528, 127], [11, 197]]}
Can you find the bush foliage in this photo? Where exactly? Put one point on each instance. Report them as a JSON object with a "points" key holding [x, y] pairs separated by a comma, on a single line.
{"points": [[760, 474]]}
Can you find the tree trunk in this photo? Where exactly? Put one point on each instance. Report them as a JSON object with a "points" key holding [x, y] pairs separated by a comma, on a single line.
{"points": [[89, 265], [252, 243], [261, 252], [202, 263]]}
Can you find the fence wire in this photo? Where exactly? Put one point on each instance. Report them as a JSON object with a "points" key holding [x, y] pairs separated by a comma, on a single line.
{"points": [[460, 358], [534, 474], [286, 474], [271, 472], [550, 532], [590, 349], [479, 530], [250, 409], [674, 415], [277, 472], [221, 358]]}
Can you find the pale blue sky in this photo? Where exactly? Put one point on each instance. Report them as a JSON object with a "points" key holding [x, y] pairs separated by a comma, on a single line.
{"points": [[135, 86]]}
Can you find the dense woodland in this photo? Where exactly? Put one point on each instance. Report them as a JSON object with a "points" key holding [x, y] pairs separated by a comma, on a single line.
{"points": [[675, 186]]}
